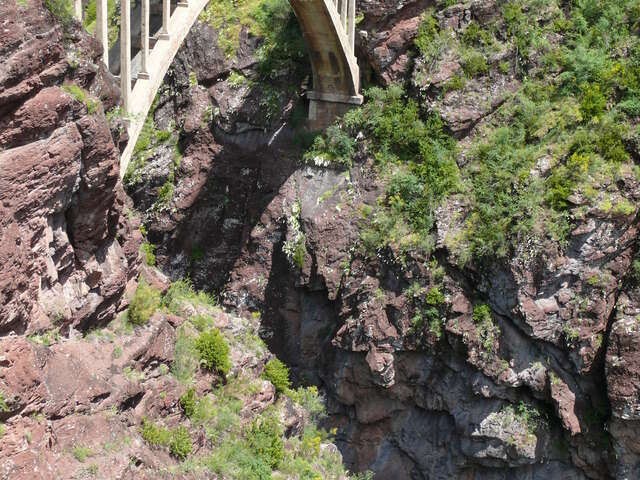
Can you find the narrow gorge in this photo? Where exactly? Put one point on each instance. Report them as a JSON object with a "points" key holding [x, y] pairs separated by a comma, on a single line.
{"points": [[444, 283]]}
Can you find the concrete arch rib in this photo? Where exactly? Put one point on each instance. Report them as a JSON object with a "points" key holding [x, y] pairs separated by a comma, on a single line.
{"points": [[160, 59], [328, 27]]}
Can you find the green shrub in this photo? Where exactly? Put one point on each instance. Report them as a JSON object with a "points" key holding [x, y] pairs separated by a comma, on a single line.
{"points": [[631, 106], [335, 147], [214, 351], [182, 291], [593, 101], [457, 82], [474, 64], [178, 440], [234, 459], [62, 10], [165, 194], [188, 402], [427, 31], [155, 435], [3, 403], [82, 453], [420, 158], [264, 438], [148, 253], [434, 297], [481, 313], [504, 198], [488, 332], [185, 362], [277, 373], [180, 444], [144, 303], [81, 95], [310, 400], [475, 35], [564, 179]]}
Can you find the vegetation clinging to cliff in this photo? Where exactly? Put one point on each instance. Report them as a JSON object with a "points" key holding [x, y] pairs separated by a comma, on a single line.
{"points": [[546, 154]]}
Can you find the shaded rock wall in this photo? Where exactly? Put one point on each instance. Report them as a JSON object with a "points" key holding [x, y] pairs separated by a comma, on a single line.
{"points": [[67, 249], [407, 405]]}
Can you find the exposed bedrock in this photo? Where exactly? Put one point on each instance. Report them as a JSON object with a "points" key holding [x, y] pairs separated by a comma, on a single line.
{"points": [[545, 386], [67, 250]]}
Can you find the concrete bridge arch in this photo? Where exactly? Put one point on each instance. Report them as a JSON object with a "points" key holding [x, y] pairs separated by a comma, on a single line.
{"points": [[329, 31]]}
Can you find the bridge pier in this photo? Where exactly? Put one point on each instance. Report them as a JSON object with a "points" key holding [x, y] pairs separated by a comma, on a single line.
{"points": [[324, 108], [329, 31]]}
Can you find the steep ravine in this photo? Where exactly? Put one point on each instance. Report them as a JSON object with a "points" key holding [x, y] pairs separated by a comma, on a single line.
{"points": [[454, 266], [529, 371]]}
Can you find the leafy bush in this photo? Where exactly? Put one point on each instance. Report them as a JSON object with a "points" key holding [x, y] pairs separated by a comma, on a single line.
{"points": [[147, 249], [593, 101], [420, 159], [82, 453], [144, 303], [264, 438], [62, 10], [165, 194], [277, 373], [185, 362], [488, 332], [80, 95], [188, 402], [427, 31], [435, 297], [155, 435], [335, 147], [310, 400], [182, 291], [180, 444], [234, 459], [178, 440], [474, 64], [3, 403], [214, 351], [481, 313]]}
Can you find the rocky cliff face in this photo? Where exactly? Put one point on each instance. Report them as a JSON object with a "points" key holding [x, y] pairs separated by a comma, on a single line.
{"points": [[67, 248], [529, 369], [500, 350], [173, 385]]}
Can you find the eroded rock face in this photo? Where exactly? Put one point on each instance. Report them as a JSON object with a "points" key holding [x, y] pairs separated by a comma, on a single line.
{"points": [[458, 401], [91, 394], [67, 250]]}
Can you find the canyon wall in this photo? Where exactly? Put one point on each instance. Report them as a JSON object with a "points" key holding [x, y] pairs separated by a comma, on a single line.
{"points": [[67, 248], [531, 373]]}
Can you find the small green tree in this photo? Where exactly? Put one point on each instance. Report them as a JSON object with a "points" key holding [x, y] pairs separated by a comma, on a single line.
{"points": [[143, 304], [264, 438], [214, 351], [277, 373], [180, 444], [188, 402]]}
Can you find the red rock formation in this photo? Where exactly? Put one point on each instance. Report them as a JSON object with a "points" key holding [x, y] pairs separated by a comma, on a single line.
{"points": [[61, 202]]}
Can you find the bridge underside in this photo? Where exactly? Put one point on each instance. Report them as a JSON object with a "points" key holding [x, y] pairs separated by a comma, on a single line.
{"points": [[329, 39], [328, 27]]}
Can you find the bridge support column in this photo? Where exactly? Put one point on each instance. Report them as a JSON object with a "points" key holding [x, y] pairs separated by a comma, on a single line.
{"points": [[77, 10], [125, 54], [144, 41], [351, 27], [324, 108], [102, 29], [166, 14]]}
